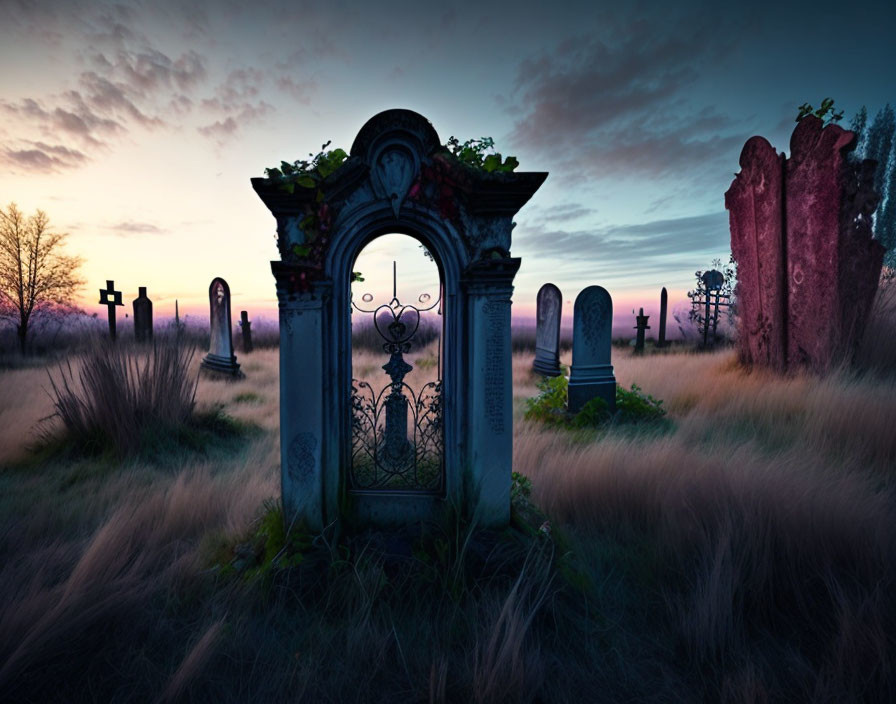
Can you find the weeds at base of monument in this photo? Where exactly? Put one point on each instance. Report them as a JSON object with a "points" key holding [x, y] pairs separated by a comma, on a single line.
{"points": [[550, 407]]}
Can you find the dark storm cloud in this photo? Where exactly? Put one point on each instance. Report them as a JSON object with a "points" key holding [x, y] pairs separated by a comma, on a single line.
{"points": [[643, 248], [42, 157]]}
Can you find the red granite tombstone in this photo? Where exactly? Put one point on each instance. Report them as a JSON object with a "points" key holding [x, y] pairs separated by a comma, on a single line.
{"points": [[807, 266], [756, 204], [832, 267]]}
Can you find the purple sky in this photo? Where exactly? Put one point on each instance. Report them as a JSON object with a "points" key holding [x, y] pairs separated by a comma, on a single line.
{"points": [[137, 125]]}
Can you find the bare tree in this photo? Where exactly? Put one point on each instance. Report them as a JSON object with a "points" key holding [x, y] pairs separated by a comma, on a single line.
{"points": [[34, 270]]}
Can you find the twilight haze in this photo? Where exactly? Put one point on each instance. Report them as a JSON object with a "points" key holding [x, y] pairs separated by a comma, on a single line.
{"points": [[137, 125]]}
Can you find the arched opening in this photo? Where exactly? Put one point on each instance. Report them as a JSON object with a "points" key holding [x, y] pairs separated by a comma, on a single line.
{"points": [[397, 343]]}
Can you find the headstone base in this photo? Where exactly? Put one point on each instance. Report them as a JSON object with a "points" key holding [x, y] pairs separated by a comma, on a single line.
{"points": [[544, 365], [586, 384], [217, 367]]}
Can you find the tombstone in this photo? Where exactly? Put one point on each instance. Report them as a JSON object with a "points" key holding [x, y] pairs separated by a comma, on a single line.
{"points": [[246, 331], [142, 316], [756, 204], [399, 178], [833, 265], [641, 326], [110, 297], [178, 325], [591, 374], [220, 360], [547, 331], [664, 304], [807, 265]]}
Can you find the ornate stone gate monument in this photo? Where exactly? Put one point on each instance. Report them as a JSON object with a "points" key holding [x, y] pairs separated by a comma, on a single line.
{"points": [[398, 178]]}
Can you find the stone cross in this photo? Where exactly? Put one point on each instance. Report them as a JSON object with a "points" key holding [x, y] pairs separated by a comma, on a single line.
{"points": [[142, 317], [641, 326], [220, 360], [664, 304], [547, 331], [591, 374], [246, 331], [111, 298]]}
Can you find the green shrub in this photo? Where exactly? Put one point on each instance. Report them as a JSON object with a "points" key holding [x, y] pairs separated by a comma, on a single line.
{"points": [[550, 407]]}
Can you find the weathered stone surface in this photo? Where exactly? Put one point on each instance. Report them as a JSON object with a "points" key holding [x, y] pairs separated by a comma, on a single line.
{"points": [[549, 306], [664, 305], [220, 360], [591, 374], [397, 178], [755, 202], [832, 264], [142, 317], [807, 267]]}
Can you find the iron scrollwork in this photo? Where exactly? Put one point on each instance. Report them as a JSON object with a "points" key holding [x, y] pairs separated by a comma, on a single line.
{"points": [[397, 433]]}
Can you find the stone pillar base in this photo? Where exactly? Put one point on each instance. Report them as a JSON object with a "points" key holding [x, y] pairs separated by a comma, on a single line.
{"points": [[590, 382], [216, 367]]}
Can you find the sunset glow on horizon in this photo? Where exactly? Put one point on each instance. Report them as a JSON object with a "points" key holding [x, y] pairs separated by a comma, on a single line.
{"points": [[137, 127]]}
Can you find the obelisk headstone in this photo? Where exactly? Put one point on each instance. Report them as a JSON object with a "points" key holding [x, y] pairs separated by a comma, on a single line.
{"points": [[220, 360], [142, 316], [591, 374], [549, 305], [110, 297], [641, 326], [664, 304], [246, 331]]}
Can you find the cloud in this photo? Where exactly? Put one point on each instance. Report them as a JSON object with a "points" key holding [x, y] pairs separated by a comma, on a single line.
{"points": [[235, 105], [301, 91], [628, 254], [563, 212], [127, 228], [622, 104], [150, 71], [42, 157]]}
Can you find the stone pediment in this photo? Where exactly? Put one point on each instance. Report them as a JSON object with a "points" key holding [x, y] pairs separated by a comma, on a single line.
{"points": [[398, 162]]}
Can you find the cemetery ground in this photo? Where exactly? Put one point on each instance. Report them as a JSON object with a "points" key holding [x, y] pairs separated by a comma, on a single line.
{"points": [[740, 550]]}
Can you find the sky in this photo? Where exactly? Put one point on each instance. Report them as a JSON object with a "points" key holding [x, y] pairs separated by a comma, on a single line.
{"points": [[137, 125]]}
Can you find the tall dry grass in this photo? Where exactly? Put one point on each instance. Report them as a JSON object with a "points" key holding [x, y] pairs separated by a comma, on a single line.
{"points": [[744, 552], [122, 393]]}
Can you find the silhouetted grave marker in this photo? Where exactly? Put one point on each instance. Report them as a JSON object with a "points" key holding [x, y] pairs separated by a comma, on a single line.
{"points": [[111, 298], [664, 304], [246, 331], [591, 374], [710, 295], [142, 316], [549, 305], [220, 360], [334, 437], [641, 326]]}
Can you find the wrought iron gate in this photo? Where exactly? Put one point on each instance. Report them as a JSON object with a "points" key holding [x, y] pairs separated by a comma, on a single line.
{"points": [[397, 432]]}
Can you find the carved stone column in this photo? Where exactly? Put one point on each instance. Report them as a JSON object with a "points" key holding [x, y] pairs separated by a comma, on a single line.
{"points": [[302, 365], [488, 286]]}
